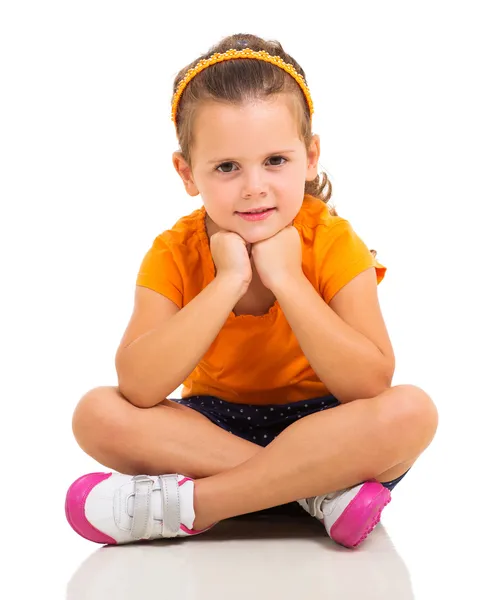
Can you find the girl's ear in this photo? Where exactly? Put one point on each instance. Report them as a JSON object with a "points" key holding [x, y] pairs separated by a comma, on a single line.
{"points": [[313, 156], [185, 173]]}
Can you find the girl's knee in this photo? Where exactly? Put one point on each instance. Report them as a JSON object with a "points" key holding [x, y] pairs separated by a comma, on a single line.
{"points": [[414, 411], [100, 417]]}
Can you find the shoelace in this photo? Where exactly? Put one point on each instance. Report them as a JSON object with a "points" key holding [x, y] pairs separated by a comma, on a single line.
{"points": [[171, 520]]}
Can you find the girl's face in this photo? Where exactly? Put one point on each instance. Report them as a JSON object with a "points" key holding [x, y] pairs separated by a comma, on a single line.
{"points": [[246, 158]]}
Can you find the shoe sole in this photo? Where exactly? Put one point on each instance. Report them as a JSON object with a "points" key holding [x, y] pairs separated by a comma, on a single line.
{"points": [[361, 516], [75, 508]]}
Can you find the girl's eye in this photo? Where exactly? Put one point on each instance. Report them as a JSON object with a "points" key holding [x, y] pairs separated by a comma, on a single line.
{"points": [[230, 163], [224, 164], [277, 157]]}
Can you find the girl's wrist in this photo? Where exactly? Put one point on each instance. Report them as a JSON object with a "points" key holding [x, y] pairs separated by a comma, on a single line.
{"points": [[232, 284]]}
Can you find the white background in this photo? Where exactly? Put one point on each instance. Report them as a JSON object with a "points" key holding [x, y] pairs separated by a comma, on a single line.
{"points": [[87, 183]]}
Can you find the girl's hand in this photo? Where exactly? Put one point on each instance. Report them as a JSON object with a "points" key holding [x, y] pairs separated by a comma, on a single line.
{"points": [[278, 258], [231, 258]]}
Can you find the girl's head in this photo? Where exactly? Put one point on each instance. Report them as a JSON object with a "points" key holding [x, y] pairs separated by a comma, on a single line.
{"points": [[244, 131]]}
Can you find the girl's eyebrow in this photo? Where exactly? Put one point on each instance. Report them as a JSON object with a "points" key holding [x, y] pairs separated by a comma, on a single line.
{"points": [[219, 160]]}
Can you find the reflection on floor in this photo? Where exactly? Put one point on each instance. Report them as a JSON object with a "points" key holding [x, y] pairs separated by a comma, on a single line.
{"points": [[280, 553]]}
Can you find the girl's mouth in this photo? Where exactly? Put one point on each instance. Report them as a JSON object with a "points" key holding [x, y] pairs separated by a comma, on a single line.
{"points": [[256, 216]]}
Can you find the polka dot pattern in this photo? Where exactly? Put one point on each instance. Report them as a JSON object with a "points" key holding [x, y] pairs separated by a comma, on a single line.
{"points": [[258, 424]]}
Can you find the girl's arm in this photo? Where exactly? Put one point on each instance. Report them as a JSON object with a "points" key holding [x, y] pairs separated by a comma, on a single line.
{"points": [[351, 364], [157, 362]]}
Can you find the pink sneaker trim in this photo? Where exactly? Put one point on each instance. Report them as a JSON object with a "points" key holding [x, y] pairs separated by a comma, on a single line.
{"points": [[362, 515], [195, 531], [75, 508]]}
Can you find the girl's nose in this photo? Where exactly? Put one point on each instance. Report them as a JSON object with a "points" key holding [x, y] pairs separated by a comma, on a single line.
{"points": [[254, 185]]}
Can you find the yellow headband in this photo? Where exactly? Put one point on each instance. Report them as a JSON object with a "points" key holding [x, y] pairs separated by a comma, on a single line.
{"points": [[230, 54]]}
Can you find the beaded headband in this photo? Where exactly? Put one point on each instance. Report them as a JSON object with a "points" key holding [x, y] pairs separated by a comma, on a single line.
{"points": [[229, 55]]}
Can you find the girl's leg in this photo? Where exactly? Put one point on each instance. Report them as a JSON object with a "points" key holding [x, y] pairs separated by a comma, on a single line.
{"points": [[167, 438], [107, 428], [374, 438]]}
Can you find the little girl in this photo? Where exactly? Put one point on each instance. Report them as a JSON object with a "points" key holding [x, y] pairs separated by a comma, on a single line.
{"points": [[263, 304]]}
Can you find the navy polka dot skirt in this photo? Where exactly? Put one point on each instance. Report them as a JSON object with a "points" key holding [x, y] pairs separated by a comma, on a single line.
{"points": [[260, 424]]}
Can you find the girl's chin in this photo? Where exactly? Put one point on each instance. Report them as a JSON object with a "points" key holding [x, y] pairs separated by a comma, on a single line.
{"points": [[259, 236]]}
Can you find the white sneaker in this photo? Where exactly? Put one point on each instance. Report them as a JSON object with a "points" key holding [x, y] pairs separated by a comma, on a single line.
{"points": [[110, 508], [349, 515]]}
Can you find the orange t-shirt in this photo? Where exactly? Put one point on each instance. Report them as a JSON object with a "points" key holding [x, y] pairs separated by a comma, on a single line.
{"points": [[256, 359]]}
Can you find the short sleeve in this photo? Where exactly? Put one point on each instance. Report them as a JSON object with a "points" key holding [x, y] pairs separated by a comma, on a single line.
{"points": [[344, 257], [159, 272]]}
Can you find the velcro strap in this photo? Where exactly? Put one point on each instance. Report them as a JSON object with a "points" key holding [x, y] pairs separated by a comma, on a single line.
{"points": [[142, 500], [171, 506]]}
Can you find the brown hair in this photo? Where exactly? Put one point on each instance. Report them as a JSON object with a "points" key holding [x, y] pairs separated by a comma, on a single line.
{"points": [[235, 81]]}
